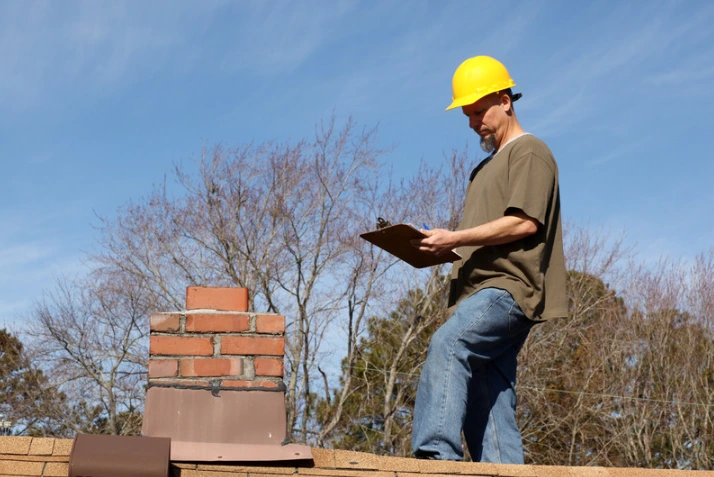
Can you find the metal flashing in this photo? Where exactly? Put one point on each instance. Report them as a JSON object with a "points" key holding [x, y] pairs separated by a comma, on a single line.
{"points": [[225, 425]]}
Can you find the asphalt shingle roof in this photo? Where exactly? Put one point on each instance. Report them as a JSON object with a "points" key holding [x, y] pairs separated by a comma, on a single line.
{"points": [[34, 456]]}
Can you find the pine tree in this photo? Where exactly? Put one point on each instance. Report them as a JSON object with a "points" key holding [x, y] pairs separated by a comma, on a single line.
{"points": [[27, 400]]}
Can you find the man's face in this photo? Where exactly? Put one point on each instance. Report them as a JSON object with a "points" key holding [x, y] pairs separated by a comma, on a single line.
{"points": [[485, 117]]}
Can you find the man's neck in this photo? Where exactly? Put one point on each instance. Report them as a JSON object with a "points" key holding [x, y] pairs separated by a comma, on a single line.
{"points": [[513, 130]]}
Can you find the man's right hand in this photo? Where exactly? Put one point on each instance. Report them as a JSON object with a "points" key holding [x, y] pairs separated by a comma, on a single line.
{"points": [[438, 241]]}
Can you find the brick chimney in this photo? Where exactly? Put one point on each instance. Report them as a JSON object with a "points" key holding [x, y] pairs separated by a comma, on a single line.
{"points": [[216, 381], [215, 341]]}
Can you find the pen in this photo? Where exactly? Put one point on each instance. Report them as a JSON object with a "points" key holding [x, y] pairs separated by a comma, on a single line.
{"points": [[424, 226]]}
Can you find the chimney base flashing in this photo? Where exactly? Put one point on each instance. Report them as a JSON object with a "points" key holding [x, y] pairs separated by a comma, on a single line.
{"points": [[215, 424], [190, 451]]}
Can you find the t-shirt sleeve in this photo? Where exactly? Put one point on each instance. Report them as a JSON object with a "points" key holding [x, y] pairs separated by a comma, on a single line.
{"points": [[531, 182]]}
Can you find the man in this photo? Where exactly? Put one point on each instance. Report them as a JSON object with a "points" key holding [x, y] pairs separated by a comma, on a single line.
{"points": [[511, 276]]}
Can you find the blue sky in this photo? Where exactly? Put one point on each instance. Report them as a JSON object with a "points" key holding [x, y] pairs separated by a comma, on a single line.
{"points": [[98, 100]]}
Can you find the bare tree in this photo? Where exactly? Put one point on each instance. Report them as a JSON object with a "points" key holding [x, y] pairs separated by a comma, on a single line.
{"points": [[281, 220], [668, 372], [370, 408], [566, 363], [625, 380], [89, 336]]}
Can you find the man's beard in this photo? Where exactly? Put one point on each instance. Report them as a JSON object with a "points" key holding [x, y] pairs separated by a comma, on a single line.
{"points": [[488, 143]]}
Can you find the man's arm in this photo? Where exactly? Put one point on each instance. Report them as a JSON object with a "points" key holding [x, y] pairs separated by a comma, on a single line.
{"points": [[509, 228]]}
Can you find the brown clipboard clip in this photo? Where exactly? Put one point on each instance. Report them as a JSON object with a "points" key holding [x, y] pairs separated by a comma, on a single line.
{"points": [[395, 239]]}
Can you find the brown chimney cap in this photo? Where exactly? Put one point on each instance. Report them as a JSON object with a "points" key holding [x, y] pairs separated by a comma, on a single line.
{"points": [[99, 455]]}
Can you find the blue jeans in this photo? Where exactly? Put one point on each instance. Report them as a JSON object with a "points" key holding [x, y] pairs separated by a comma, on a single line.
{"points": [[468, 382]]}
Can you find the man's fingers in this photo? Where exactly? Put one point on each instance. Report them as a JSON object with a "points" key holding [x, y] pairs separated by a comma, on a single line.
{"points": [[430, 243], [421, 245]]}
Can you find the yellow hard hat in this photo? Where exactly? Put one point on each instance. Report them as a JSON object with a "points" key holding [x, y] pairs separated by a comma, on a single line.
{"points": [[478, 77]]}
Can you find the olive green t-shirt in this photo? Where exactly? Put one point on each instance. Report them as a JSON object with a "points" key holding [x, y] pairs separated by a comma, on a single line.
{"points": [[523, 175]]}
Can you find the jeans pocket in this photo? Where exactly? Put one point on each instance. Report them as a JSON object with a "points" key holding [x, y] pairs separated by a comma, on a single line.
{"points": [[518, 322]]}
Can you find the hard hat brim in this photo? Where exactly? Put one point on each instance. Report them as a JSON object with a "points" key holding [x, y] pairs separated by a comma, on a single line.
{"points": [[465, 100], [472, 98]]}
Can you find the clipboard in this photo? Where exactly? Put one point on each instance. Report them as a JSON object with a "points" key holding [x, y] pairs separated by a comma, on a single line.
{"points": [[395, 240]]}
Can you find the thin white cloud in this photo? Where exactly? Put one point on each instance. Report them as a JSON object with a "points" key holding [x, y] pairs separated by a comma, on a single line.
{"points": [[100, 47], [13, 257], [34, 250], [53, 47], [28, 271], [693, 77], [412, 73], [552, 121], [623, 152], [276, 38], [635, 48]]}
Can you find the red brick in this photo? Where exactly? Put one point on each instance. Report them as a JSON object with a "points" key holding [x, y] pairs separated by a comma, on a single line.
{"points": [[251, 384], [270, 324], [164, 322], [176, 345], [249, 345], [211, 367], [163, 368], [217, 298], [183, 382], [211, 322], [268, 367]]}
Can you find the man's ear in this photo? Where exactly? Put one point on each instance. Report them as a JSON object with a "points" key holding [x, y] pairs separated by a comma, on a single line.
{"points": [[506, 103]]}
